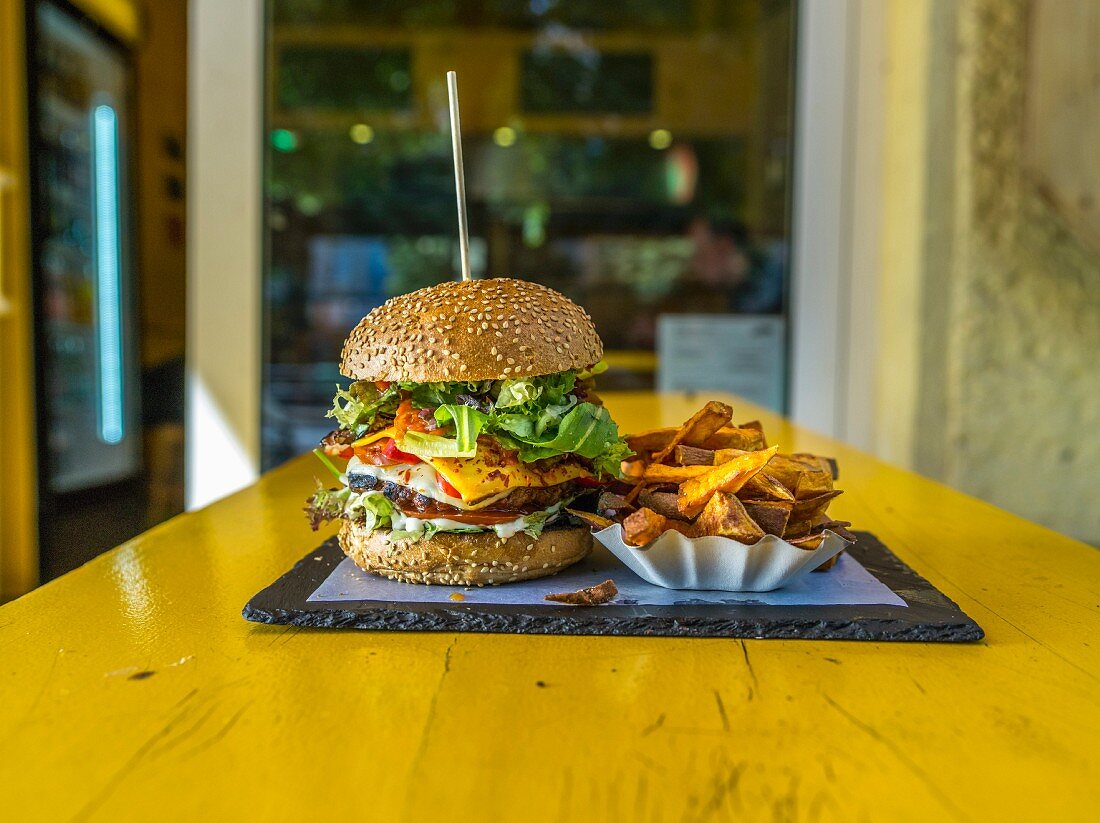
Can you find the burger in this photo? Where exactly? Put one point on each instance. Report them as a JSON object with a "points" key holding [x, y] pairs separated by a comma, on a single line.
{"points": [[470, 426]]}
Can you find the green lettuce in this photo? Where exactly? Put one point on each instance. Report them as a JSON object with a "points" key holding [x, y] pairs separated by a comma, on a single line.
{"points": [[537, 416], [468, 423], [529, 394], [369, 507], [587, 430], [426, 446], [355, 407], [433, 395]]}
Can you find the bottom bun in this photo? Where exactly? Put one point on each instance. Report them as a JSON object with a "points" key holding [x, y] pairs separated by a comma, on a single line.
{"points": [[457, 559]]}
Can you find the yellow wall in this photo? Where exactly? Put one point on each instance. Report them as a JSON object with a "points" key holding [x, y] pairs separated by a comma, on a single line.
{"points": [[18, 552]]}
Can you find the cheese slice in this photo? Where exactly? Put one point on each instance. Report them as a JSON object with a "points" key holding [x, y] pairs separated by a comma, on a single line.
{"points": [[475, 479], [370, 438]]}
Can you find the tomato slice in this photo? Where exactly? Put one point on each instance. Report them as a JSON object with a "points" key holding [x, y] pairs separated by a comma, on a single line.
{"points": [[447, 487], [338, 450], [591, 482], [396, 455]]}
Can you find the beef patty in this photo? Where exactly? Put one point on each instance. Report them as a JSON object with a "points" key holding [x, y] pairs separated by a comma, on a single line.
{"points": [[411, 502]]}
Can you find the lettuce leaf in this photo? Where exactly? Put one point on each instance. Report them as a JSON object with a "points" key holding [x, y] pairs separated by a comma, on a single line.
{"points": [[427, 446], [356, 407], [326, 505], [598, 368], [433, 395], [587, 430], [610, 461], [526, 395]]}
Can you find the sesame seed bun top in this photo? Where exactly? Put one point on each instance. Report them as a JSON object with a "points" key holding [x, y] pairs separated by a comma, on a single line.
{"points": [[471, 330]]}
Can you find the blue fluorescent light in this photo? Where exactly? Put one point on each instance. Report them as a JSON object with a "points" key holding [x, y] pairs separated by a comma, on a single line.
{"points": [[108, 273]]}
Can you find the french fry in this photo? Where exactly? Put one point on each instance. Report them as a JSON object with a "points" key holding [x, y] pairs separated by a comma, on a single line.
{"points": [[753, 424], [810, 507], [770, 515], [593, 521], [762, 486], [701, 425], [651, 440], [789, 468], [664, 503], [814, 462], [609, 501], [645, 525], [726, 455], [592, 596], [657, 473], [813, 483], [725, 516], [837, 527], [692, 456], [808, 542], [729, 477], [797, 527], [632, 468], [732, 437]]}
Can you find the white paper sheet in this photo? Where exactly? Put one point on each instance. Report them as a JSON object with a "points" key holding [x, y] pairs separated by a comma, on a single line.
{"points": [[847, 583]]}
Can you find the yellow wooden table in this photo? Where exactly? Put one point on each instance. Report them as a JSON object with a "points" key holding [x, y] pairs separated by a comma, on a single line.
{"points": [[132, 688]]}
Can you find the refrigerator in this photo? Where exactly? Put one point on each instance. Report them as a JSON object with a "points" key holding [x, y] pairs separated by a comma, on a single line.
{"points": [[87, 377]]}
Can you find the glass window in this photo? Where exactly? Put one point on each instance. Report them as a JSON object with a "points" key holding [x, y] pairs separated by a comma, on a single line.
{"points": [[635, 160]]}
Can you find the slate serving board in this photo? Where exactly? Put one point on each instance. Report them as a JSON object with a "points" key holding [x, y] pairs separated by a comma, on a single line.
{"points": [[929, 615]]}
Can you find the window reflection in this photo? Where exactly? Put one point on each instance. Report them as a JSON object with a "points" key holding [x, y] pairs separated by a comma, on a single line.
{"points": [[633, 157]]}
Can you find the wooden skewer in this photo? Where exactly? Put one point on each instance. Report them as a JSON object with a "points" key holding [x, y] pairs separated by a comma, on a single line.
{"points": [[460, 175]]}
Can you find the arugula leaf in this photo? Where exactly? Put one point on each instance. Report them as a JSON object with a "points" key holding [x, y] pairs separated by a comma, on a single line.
{"points": [[468, 424]]}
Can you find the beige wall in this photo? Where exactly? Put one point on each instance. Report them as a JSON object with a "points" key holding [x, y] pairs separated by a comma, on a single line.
{"points": [[988, 368]]}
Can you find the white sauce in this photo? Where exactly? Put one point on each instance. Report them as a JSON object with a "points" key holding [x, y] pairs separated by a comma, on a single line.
{"points": [[508, 528], [424, 479]]}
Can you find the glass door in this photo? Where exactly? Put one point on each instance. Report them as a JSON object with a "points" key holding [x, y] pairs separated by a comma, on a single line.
{"points": [[633, 156], [88, 379]]}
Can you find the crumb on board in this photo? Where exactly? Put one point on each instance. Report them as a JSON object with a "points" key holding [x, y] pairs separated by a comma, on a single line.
{"points": [[592, 596], [457, 596]]}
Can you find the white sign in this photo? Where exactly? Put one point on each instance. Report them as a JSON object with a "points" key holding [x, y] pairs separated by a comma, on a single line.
{"points": [[745, 355]]}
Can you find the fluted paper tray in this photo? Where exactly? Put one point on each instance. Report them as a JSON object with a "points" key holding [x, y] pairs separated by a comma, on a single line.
{"points": [[674, 561]]}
